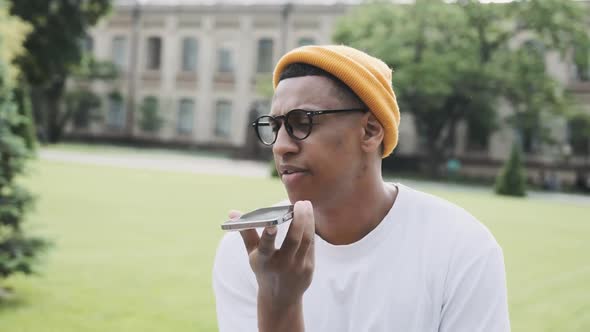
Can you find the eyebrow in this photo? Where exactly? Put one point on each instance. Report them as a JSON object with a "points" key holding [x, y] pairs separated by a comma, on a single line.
{"points": [[291, 109]]}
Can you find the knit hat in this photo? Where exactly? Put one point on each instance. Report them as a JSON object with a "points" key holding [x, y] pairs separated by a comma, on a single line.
{"points": [[368, 77]]}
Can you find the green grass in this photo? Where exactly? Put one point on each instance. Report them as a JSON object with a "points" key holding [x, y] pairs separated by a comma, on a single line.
{"points": [[134, 250]]}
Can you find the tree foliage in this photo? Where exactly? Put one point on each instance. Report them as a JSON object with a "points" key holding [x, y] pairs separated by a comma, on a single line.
{"points": [[53, 52], [13, 32], [18, 252], [454, 62]]}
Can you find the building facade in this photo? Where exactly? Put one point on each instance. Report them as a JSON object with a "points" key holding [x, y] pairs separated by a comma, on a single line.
{"points": [[199, 66], [192, 70]]}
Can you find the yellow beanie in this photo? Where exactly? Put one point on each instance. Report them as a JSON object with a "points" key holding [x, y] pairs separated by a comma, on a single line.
{"points": [[368, 77]]}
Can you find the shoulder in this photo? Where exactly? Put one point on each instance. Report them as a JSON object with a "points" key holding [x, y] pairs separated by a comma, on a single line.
{"points": [[445, 223], [454, 243]]}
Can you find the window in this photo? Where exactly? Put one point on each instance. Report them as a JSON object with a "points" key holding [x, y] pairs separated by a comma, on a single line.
{"points": [[185, 116], [154, 53], [119, 52], [225, 64], [305, 41], [578, 130], [223, 119], [189, 54], [265, 47], [116, 114]]}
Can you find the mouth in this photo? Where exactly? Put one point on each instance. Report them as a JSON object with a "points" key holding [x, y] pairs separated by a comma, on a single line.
{"points": [[291, 175], [289, 170]]}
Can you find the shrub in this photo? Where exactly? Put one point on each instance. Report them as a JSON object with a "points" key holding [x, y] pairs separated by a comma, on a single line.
{"points": [[150, 121], [512, 180], [273, 169]]}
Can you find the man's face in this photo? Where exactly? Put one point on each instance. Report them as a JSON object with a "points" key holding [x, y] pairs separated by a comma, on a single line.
{"points": [[326, 164]]}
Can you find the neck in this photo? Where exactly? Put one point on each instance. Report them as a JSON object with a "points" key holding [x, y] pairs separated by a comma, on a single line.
{"points": [[349, 218]]}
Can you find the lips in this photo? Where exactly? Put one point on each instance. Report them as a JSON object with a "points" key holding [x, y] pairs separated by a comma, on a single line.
{"points": [[288, 169], [291, 175]]}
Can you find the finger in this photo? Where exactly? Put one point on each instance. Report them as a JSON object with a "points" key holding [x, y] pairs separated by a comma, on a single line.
{"points": [[308, 236], [251, 239], [234, 214], [295, 232], [249, 236], [266, 245]]}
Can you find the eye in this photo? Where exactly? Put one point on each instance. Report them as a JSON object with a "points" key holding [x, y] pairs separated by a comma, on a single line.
{"points": [[299, 119]]}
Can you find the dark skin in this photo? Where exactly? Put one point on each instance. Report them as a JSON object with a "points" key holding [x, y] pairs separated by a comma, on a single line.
{"points": [[338, 170]]}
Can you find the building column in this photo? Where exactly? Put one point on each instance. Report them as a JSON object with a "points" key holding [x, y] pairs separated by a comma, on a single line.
{"points": [[206, 103], [170, 55], [244, 79]]}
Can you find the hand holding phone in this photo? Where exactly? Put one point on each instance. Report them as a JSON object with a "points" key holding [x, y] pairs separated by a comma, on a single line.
{"points": [[283, 274]]}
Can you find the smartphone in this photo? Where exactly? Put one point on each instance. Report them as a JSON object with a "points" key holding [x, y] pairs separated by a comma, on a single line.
{"points": [[263, 217]]}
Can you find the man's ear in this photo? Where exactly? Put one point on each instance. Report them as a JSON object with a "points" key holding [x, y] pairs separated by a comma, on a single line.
{"points": [[373, 133]]}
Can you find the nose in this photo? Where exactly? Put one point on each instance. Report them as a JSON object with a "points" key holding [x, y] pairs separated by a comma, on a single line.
{"points": [[284, 143]]}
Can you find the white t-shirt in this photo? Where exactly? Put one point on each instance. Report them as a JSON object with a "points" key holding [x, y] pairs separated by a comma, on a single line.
{"points": [[428, 266]]}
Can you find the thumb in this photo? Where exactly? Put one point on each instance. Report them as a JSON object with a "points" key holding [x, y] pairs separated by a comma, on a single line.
{"points": [[234, 214]]}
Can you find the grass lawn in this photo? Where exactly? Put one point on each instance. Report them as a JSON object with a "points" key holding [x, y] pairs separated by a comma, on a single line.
{"points": [[134, 249]]}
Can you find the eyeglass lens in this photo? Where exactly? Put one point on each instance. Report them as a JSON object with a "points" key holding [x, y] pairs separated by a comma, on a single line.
{"points": [[297, 124]]}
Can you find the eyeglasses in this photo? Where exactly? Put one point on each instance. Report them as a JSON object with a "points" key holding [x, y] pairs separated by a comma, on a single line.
{"points": [[298, 124]]}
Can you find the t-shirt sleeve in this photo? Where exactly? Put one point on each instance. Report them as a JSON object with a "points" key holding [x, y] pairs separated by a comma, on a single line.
{"points": [[475, 297], [234, 285]]}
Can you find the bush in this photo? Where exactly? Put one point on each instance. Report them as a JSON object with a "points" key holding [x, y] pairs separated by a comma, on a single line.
{"points": [[150, 118], [84, 106], [512, 179], [27, 128], [18, 252], [273, 169]]}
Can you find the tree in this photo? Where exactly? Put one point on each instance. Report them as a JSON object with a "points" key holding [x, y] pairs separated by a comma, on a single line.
{"points": [[454, 61], [18, 252], [264, 87], [53, 52], [150, 120], [26, 129], [83, 106], [511, 180]]}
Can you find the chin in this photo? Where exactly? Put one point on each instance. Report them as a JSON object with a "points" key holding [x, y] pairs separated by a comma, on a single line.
{"points": [[298, 195]]}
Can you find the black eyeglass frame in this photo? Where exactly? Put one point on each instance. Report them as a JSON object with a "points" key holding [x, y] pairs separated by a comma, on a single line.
{"points": [[285, 119]]}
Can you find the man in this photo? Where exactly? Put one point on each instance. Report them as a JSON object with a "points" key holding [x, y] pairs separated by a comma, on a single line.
{"points": [[360, 254]]}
